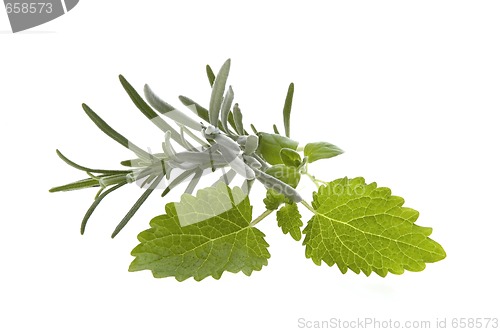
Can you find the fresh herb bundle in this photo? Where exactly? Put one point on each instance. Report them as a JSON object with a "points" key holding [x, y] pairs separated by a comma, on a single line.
{"points": [[358, 226]]}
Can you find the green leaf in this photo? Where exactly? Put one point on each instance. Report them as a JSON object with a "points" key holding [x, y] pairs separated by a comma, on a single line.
{"points": [[95, 203], [270, 146], [200, 111], [255, 131], [251, 144], [290, 157], [220, 240], [230, 119], [168, 110], [82, 184], [287, 109], [289, 175], [226, 108], [218, 92], [101, 124], [136, 206], [364, 228], [111, 180], [238, 119], [86, 169], [289, 220], [147, 110], [273, 199], [178, 180], [210, 75], [196, 108], [158, 104], [321, 150], [137, 99], [139, 162]]}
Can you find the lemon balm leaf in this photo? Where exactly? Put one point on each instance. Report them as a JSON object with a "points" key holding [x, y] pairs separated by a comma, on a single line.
{"points": [[321, 150], [222, 239], [270, 146], [289, 219], [273, 199], [362, 227], [290, 157]]}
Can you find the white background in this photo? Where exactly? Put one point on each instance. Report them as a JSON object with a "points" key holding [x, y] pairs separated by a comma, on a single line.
{"points": [[409, 89]]}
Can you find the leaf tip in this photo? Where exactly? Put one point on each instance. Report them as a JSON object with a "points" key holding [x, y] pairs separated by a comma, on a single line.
{"points": [[87, 109], [121, 78], [440, 253]]}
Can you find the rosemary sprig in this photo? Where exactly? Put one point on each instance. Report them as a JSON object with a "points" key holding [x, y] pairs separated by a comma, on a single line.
{"points": [[219, 142]]}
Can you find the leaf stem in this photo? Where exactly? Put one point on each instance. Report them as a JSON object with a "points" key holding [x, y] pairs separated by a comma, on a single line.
{"points": [[317, 182], [309, 207], [313, 179], [261, 217]]}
